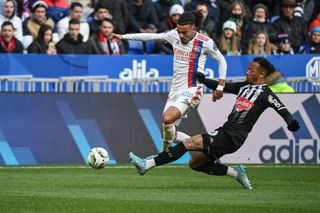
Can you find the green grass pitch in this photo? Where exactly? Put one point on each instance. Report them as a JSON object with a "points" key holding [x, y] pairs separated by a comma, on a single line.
{"points": [[163, 189]]}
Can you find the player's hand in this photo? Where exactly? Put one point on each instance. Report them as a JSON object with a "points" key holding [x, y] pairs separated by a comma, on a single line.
{"points": [[294, 126], [216, 95], [201, 77], [116, 36]]}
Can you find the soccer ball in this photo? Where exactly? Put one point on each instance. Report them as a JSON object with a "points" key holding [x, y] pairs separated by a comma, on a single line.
{"points": [[98, 157]]}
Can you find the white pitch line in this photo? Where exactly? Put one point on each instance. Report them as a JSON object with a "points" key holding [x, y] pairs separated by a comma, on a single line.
{"points": [[161, 167]]}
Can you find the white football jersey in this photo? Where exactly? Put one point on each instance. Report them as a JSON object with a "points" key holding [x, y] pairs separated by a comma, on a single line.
{"points": [[189, 58]]}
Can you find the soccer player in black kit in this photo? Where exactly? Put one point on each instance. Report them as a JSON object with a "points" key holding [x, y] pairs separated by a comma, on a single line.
{"points": [[253, 97]]}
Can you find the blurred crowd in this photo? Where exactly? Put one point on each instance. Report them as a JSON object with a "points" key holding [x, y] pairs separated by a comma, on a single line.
{"points": [[238, 27]]}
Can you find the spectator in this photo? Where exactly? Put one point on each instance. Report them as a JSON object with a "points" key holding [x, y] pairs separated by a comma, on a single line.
{"points": [[166, 25], [271, 5], [76, 13], [292, 25], [313, 46], [259, 23], [304, 9], [260, 45], [142, 17], [8, 43], [208, 24], [102, 44], [101, 11], [162, 7], [32, 24], [224, 10], [9, 14], [43, 43], [278, 83], [72, 42], [171, 22], [211, 5], [284, 45], [228, 43], [119, 11]]}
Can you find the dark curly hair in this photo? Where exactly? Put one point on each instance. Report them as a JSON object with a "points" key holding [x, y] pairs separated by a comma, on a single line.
{"points": [[267, 67]]}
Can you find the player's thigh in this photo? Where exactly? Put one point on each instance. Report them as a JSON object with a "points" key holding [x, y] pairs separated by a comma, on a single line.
{"points": [[215, 144]]}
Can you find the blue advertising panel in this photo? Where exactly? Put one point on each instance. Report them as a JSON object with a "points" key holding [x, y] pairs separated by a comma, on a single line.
{"points": [[54, 128], [140, 66]]}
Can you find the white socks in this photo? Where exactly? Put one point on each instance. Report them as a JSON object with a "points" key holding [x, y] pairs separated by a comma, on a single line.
{"points": [[168, 133], [150, 164], [181, 136], [232, 172]]}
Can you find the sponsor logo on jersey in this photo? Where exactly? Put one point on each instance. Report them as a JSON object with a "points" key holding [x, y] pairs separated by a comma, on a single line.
{"points": [[243, 104], [274, 101]]}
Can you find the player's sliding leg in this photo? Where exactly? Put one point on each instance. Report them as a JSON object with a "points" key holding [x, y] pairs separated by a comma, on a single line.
{"points": [[169, 155], [201, 163]]}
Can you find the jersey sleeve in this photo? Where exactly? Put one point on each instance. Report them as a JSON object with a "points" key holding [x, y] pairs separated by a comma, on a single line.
{"points": [[167, 36], [274, 102], [212, 50], [233, 88]]}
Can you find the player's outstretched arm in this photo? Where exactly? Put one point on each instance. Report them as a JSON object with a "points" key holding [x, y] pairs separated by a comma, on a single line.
{"points": [[292, 124], [117, 36]]}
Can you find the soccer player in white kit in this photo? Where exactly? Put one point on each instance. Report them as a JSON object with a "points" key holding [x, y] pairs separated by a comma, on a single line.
{"points": [[191, 50]]}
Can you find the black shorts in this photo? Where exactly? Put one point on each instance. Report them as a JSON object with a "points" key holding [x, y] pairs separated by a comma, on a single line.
{"points": [[220, 142]]}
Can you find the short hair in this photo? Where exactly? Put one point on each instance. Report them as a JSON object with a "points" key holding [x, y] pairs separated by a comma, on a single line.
{"points": [[75, 4], [266, 66], [107, 20], [7, 23], [192, 17], [74, 21]]}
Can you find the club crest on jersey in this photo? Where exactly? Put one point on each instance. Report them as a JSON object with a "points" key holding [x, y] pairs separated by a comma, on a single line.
{"points": [[197, 49], [243, 104]]}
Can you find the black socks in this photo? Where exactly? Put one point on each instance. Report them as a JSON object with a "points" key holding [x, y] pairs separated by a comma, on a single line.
{"points": [[212, 168], [171, 154]]}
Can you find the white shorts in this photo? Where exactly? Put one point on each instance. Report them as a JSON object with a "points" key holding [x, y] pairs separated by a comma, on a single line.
{"points": [[183, 100]]}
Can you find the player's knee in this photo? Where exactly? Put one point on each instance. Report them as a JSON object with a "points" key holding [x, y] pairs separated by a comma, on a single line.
{"points": [[167, 119]]}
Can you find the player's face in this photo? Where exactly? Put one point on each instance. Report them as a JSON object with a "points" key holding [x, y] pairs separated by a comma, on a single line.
{"points": [[254, 72], [186, 32]]}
